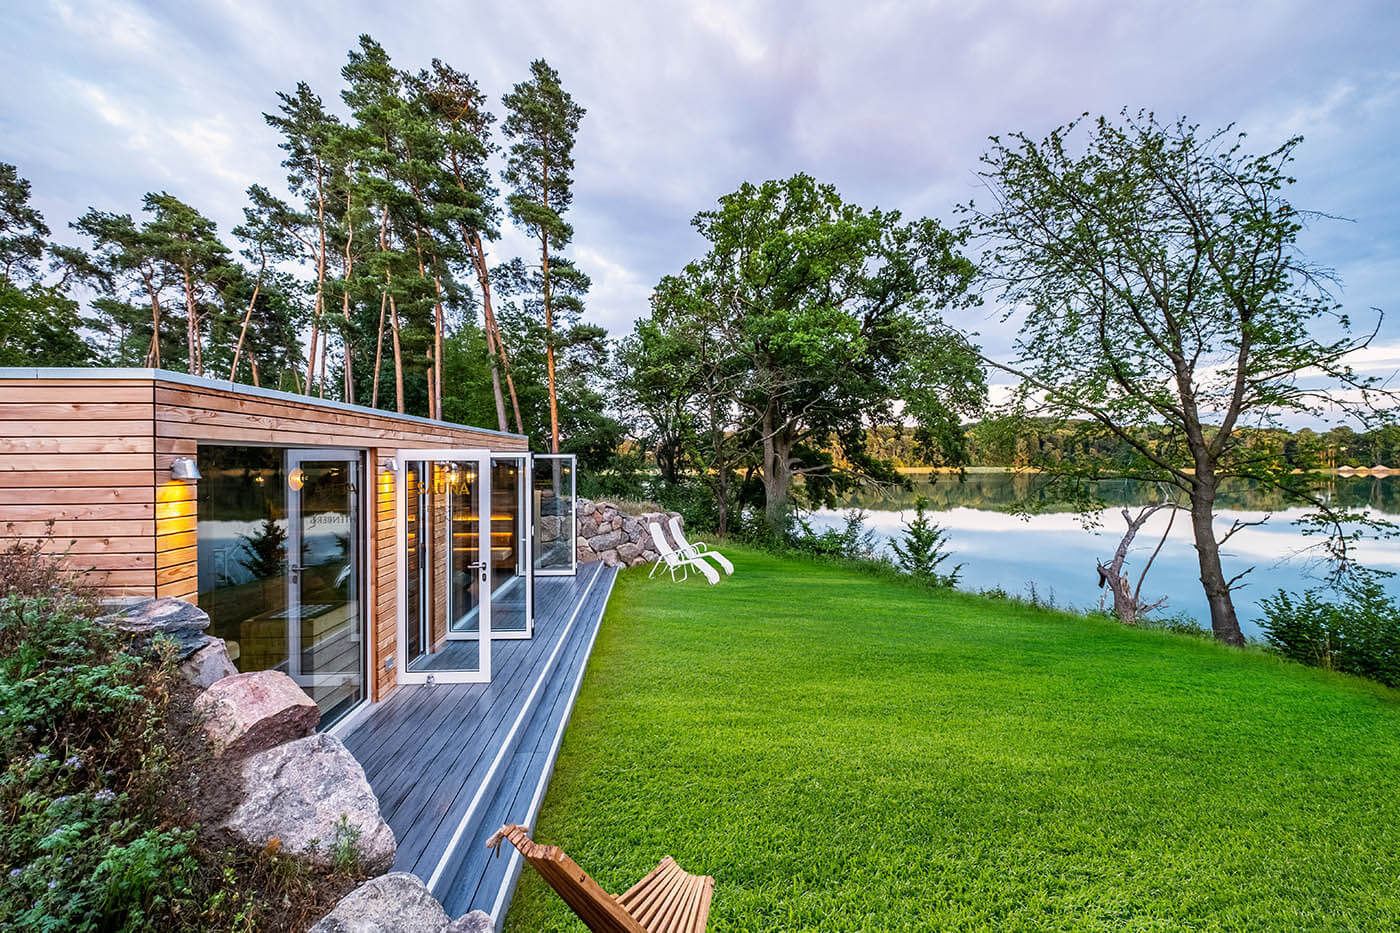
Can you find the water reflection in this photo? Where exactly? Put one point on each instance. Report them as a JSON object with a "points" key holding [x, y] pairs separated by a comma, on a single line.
{"points": [[1054, 551]]}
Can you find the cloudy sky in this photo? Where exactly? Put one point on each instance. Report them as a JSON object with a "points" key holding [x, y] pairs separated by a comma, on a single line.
{"points": [[892, 102]]}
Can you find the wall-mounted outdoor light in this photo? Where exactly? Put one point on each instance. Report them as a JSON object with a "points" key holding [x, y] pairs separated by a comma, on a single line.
{"points": [[296, 479], [185, 470]]}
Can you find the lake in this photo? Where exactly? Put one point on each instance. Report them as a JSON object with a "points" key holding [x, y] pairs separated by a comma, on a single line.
{"points": [[1056, 554]]}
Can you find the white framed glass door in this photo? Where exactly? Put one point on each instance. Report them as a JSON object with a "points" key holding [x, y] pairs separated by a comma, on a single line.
{"points": [[325, 556], [555, 534], [444, 566], [512, 567]]}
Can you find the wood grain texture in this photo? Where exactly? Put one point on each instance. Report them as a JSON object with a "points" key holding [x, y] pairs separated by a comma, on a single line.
{"points": [[94, 455]]}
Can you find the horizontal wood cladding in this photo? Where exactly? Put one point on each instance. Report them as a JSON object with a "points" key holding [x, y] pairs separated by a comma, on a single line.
{"points": [[383, 586], [216, 416], [177, 509], [88, 460], [77, 469]]}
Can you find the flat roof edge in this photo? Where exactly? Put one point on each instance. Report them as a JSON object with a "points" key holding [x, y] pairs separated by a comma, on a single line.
{"points": [[225, 385]]}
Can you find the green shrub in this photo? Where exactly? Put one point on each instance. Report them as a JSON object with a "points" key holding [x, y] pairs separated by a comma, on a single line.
{"points": [[100, 792], [853, 541], [923, 548], [1354, 629]]}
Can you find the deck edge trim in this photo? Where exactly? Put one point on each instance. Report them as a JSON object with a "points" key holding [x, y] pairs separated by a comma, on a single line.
{"points": [[506, 893], [520, 717]]}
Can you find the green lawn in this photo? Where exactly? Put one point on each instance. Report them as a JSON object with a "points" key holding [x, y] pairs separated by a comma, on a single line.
{"points": [[845, 752]]}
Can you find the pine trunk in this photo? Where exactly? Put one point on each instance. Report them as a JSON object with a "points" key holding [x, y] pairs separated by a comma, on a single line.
{"points": [[437, 346], [191, 325], [378, 351], [345, 307], [549, 348], [316, 305], [398, 354], [248, 316], [153, 354], [488, 317]]}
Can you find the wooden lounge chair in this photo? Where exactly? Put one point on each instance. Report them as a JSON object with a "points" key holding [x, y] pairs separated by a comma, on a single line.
{"points": [[668, 900]]}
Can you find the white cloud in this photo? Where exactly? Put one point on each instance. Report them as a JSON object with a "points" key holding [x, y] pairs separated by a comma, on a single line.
{"points": [[891, 102]]}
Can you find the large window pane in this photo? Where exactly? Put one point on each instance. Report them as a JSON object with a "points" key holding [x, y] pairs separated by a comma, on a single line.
{"points": [[280, 539], [510, 605], [242, 537], [553, 496]]}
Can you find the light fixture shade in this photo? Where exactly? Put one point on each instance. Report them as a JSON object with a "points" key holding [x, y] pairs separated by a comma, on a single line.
{"points": [[185, 470]]}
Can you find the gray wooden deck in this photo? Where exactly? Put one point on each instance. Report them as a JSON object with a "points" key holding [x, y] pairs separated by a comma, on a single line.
{"points": [[452, 762]]}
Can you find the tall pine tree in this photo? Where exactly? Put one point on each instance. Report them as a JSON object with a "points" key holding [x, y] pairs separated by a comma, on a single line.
{"points": [[543, 121]]}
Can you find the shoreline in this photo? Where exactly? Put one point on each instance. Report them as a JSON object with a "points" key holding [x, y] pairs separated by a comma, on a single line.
{"points": [[1378, 470]]}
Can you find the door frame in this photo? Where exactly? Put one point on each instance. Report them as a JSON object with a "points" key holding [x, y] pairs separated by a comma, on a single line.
{"points": [[293, 457], [482, 457], [525, 545], [572, 460]]}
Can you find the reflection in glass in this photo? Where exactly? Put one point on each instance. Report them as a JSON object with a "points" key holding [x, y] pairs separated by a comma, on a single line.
{"points": [[242, 546], [553, 495], [326, 583], [442, 582], [279, 568], [509, 603]]}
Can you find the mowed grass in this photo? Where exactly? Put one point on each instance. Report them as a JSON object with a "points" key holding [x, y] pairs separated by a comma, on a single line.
{"points": [[846, 752]]}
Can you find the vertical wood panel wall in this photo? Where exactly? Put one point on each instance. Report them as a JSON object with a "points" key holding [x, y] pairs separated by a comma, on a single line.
{"points": [[92, 452]]}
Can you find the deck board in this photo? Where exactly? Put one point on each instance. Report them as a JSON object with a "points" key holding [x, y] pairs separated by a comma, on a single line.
{"points": [[450, 762]]}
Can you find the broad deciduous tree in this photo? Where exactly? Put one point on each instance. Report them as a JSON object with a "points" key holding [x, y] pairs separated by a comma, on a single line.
{"points": [[1161, 284], [820, 319]]}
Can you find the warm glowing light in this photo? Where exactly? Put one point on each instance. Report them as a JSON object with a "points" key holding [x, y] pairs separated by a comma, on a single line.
{"points": [[296, 479]]}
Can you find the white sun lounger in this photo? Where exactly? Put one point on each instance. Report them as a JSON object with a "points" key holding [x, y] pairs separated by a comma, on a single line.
{"points": [[699, 549], [674, 561]]}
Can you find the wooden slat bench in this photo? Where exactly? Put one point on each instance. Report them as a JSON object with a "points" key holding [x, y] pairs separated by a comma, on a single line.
{"points": [[668, 900]]}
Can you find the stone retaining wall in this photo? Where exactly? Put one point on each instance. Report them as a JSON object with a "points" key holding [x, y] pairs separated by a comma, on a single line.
{"points": [[616, 538]]}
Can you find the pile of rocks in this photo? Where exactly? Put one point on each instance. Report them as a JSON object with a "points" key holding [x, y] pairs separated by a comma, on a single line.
{"points": [[291, 787], [608, 534]]}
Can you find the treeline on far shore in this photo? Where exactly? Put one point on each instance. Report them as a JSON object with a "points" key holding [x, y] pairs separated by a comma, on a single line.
{"points": [[1032, 442]]}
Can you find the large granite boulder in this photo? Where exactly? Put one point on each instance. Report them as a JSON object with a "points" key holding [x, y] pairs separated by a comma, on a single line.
{"points": [[209, 664], [605, 541], [247, 713], [304, 794], [174, 619], [397, 903], [394, 903], [478, 921]]}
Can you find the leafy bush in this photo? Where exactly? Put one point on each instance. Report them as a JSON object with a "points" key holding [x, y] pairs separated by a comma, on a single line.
{"points": [[690, 497], [923, 549], [101, 786], [1354, 629], [853, 541], [623, 477]]}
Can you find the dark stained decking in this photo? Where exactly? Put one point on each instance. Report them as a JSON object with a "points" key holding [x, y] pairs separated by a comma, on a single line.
{"points": [[452, 762]]}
